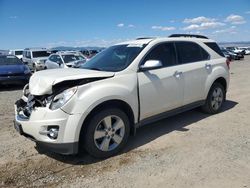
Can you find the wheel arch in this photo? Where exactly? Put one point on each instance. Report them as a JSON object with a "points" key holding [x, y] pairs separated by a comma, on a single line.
{"points": [[114, 103], [221, 80]]}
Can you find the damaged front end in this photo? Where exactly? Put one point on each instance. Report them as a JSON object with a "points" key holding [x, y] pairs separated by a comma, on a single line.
{"points": [[59, 95], [28, 102]]}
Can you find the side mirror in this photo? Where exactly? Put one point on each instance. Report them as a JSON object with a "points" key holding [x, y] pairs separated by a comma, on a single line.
{"points": [[151, 64]]}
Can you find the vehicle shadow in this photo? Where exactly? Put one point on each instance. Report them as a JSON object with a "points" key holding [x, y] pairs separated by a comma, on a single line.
{"points": [[145, 134], [10, 87]]}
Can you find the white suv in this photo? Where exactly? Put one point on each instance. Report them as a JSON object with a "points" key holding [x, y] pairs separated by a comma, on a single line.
{"points": [[96, 108], [35, 58]]}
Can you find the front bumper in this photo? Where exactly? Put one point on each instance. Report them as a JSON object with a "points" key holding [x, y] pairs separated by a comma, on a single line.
{"points": [[35, 127], [40, 66]]}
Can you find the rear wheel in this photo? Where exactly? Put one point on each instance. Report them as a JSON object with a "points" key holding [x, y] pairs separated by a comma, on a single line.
{"points": [[106, 133], [215, 99]]}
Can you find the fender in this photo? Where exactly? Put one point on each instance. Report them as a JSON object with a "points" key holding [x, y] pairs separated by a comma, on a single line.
{"points": [[216, 72]]}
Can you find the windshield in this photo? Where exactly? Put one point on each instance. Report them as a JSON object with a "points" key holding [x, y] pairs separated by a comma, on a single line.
{"points": [[70, 58], [114, 58], [10, 60], [40, 54]]}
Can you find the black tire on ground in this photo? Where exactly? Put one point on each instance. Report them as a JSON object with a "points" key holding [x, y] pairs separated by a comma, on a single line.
{"points": [[209, 106], [87, 138]]}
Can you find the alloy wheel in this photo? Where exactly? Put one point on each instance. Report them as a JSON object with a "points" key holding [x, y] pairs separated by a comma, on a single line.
{"points": [[109, 133]]}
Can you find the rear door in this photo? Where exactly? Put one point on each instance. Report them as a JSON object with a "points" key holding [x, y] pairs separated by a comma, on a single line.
{"points": [[160, 89], [195, 66]]}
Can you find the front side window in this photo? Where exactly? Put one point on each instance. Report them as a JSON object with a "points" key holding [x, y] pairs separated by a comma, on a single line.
{"points": [[40, 54], [58, 59], [164, 53], [114, 58], [28, 55], [189, 52], [18, 52], [52, 58]]}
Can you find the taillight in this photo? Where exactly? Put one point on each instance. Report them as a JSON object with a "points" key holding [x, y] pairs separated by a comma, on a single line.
{"points": [[228, 63]]}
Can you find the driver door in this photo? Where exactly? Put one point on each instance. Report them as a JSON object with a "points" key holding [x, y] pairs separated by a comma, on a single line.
{"points": [[160, 89]]}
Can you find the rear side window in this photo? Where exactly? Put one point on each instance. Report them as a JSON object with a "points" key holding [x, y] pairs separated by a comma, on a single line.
{"points": [[18, 52], [163, 52], [189, 52], [215, 48]]}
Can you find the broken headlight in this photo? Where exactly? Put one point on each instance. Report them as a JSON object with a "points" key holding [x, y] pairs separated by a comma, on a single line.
{"points": [[62, 98]]}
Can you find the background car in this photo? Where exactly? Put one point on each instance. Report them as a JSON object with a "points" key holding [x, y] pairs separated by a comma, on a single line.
{"points": [[35, 58], [234, 50], [86, 52], [65, 60], [17, 52], [246, 49], [13, 70], [230, 55]]}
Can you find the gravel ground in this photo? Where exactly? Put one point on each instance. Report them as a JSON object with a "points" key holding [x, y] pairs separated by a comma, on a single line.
{"points": [[191, 149]]}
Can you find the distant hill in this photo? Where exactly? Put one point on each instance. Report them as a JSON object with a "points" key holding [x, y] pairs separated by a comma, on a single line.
{"points": [[240, 44]]}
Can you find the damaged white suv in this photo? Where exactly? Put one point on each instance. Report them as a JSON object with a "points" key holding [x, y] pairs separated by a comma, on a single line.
{"points": [[96, 108]]}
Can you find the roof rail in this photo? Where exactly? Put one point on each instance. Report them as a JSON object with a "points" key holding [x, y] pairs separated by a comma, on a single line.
{"points": [[141, 38], [188, 36]]}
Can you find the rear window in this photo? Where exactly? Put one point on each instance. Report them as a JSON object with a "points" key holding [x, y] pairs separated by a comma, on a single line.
{"points": [[40, 54], [18, 52], [215, 48], [10, 60], [189, 52]]}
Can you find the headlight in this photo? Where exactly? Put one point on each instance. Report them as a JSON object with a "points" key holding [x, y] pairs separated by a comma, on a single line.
{"points": [[59, 100], [39, 62]]}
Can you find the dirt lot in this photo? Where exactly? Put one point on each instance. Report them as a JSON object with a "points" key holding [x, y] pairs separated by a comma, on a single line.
{"points": [[189, 150]]}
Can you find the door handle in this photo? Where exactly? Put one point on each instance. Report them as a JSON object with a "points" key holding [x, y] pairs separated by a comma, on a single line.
{"points": [[177, 74], [208, 66]]}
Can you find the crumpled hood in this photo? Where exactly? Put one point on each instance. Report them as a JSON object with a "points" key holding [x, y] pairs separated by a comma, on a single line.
{"points": [[41, 82]]}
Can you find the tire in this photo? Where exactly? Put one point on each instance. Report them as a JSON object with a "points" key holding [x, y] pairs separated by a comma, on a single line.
{"points": [[106, 133], [34, 68], [215, 99]]}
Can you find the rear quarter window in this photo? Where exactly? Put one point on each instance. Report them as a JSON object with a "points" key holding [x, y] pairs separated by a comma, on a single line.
{"points": [[215, 48]]}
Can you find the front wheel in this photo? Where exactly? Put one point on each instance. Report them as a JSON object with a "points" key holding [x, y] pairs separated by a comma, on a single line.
{"points": [[215, 99], [106, 133]]}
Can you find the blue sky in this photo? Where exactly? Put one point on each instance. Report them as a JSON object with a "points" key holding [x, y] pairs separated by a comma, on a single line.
{"points": [[49, 23]]}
